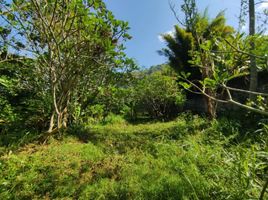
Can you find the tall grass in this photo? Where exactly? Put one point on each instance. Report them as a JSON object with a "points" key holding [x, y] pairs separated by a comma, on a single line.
{"points": [[189, 158]]}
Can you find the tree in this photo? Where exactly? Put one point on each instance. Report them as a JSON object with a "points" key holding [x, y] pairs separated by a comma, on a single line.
{"points": [[248, 8], [199, 32], [253, 66], [159, 95], [177, 51], [231, 58], [71, 41], [220, 58], [155, 94]]}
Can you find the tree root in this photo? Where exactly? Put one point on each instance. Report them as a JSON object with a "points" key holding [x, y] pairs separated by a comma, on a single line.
{"points": [[47, 135]]}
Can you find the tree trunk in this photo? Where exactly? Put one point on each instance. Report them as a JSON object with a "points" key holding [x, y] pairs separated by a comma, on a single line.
{"points": [[51, 124], [208, 73], [60, 112], [65, 117], [62, 117], [253, 67], [211, 104]]}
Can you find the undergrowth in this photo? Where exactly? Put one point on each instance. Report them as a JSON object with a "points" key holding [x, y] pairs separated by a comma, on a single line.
{"points": [[188, 158]]}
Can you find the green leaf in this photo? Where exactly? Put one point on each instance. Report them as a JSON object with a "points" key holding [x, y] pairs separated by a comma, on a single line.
{"points": [[4, 82], [185, 85], [237, 75], [209, 82]]}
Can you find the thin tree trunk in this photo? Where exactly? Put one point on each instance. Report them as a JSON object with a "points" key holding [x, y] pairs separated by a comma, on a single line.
{"points": [[65, 117], [51, 124], [63, 111], [59, 120], [211, 104], [253, 67], [208, 73]]}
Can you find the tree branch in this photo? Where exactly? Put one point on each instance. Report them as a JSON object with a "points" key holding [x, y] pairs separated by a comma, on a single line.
{"points": [[245, 91], [172, 8], [244, 52], [230, 100]]}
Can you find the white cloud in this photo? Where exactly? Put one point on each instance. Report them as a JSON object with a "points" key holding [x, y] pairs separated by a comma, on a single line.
{"points": [[171, 32], [160, 38], [244, 28], [263, 6]]}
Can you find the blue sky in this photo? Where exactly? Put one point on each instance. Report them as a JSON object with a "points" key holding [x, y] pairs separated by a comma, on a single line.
{"points": [[149, 18]]}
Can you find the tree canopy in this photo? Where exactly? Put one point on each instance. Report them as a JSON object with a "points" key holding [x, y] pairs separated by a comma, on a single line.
{"points": [[72, 43]]}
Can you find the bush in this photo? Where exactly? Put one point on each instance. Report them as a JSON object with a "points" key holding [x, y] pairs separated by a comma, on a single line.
{"points": [[114, 119]]}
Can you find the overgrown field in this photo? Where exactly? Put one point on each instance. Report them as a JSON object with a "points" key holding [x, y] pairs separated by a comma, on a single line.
{"points": [[188, 158]]}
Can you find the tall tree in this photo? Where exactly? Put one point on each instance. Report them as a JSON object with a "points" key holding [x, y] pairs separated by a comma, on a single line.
{"points": [[254, 23], [253, 66], [221, 55], [198, 33]]}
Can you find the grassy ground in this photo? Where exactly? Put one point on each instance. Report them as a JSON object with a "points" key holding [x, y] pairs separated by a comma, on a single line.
{"points": [[189, 158]]}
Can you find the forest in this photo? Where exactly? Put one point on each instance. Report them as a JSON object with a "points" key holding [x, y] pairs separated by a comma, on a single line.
{"points": [[80, 119]]}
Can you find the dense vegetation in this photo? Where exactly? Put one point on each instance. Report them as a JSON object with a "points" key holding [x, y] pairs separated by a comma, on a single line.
{"points": [[188, 158], [80, 120]]}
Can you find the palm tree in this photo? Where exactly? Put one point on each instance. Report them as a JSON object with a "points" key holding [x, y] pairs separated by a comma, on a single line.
{"points": [[184, 40]]}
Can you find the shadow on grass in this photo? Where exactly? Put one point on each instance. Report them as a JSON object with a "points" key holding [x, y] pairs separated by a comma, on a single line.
{"points": [[122, 138], [13, 136], [134, 133]]}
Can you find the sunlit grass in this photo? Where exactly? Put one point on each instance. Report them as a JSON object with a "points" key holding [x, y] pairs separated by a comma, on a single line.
{"points": [[182, 159]]}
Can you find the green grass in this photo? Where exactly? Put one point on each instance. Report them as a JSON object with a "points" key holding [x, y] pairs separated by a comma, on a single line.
{"points": [[189, 158]]}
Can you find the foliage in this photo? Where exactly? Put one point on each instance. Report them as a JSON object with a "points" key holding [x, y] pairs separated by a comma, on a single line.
{"points": [[158, 95], [155, 94], [21, 100], [232, 65], [177, 51], [201, 33], [221, 55], [77, 73], [73, 44], [152, 93], [114, 119]]}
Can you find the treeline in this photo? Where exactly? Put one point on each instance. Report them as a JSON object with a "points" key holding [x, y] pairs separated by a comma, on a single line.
{"points": [[151, 94], [64, 63]]}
